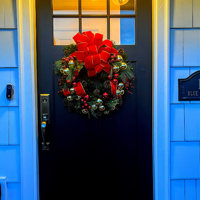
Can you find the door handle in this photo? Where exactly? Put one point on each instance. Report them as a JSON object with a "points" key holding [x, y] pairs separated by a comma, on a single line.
{"points": [[45, 120]]}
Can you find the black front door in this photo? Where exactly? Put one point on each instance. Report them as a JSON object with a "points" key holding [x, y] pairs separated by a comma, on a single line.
{"points": [[109, 158]]}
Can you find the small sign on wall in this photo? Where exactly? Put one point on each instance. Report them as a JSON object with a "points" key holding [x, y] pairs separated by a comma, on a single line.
{"points": [[189, 88]]}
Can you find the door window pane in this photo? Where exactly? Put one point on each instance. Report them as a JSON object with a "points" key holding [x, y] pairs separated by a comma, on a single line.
{"points": [[64, 30], [94, 6], [122, 7], [122, 31], [96, 25], [65, 7]]}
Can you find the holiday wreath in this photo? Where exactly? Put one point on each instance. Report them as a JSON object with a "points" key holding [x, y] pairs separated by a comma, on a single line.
{"points": [[93, 76]]}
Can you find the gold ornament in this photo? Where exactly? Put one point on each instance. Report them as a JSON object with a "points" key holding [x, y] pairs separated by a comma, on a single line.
{"points": [[102, 108], [119, 58], [118, 92], [93, 107], [116, 68], [69, 98], [122, 92], [123, 66], [121, 86], [84, 111], [99, 102], [71, 62], [66, 71], [72, 90]]}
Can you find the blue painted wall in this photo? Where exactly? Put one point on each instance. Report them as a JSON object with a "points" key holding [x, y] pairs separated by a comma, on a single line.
{"points": [[184, 116], [9, 110]]}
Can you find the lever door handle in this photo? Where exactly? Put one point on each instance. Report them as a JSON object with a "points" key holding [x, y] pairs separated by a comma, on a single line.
{"points": [[45, 120]]}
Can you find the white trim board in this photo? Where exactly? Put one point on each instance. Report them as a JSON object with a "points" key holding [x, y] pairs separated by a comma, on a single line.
{"points": [[161, 86], [27, 99]]}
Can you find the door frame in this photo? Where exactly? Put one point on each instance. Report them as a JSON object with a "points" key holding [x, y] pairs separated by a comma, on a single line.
{"points": [[26, 15]]}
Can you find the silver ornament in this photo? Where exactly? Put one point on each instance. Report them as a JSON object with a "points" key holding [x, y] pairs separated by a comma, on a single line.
{"points": [[99, 102], [69, 98], [72, 90], [121, 86], [118, 92], [78, 98], [122, 92], [102, 108], [84, 111], [93, 107]]}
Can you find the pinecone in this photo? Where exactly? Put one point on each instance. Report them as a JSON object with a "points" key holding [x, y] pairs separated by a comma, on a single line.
{"points": [[121, 52], [106, 84], [96, 92]]}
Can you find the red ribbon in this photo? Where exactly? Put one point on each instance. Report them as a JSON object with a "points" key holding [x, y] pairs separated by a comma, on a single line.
{"points": [[94, 52], [79, 90]]}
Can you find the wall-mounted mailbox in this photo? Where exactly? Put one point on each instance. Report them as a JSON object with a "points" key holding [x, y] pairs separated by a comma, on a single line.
{"points": [[189, 88]]}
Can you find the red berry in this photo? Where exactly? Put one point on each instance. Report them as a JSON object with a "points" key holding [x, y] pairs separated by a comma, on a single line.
{"points": [[83, 106], [86, 104], [84, 101], [116, 75], [115, 81], [105, 94], [89, 107], [86, 97], [109, 77], [68, 81], [74, 84], [74, 78]]}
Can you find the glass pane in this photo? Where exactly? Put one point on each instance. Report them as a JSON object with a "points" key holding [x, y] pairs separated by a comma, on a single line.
{"points": [[122, 7], [64, 29], [65, 7], [122, 31], [94, 6], [96, 25]]}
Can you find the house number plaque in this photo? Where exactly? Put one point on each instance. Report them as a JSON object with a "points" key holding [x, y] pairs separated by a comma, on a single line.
{"points": [[189, 88]]}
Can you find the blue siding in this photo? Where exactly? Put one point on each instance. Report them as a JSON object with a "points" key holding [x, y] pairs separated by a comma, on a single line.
{"points": [[177, 122], [177, 190], [185, 160], [9, 110], [184, 116]]}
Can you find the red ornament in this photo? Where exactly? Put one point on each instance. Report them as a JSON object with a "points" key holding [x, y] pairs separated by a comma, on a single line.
{"points": [[109, 77], [115, 81], [86, 104], [116, 75], [82, 100], [74, 78], [86, 97], [83, 106], [89, 107], [74, 84], [105, 94]]}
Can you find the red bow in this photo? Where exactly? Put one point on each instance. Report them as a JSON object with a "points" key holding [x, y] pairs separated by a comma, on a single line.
{"points": [[94, 52]]}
